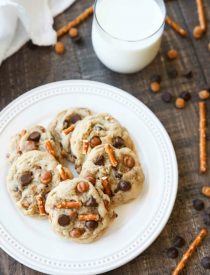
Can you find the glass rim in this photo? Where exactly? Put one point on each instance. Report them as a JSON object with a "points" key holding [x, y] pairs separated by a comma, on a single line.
{"points": [[130, 41]]}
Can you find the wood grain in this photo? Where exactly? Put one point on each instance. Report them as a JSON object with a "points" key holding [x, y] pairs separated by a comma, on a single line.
{"points": [[30, 68]]}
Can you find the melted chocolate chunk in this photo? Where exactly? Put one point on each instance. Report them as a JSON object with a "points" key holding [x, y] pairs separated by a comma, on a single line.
{"points": [[172, 253], [118, 142], [99, 160], [64, 220], [178, 242], [26, 178], [34, 136], [65, 124], [91, 224], [91, 202], [124, 185], [95, 141], [74, 118], [117, 174], [205, 262]]}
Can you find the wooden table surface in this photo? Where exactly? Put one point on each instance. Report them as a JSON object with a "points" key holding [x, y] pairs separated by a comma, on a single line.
{"points": [[29, 68]]}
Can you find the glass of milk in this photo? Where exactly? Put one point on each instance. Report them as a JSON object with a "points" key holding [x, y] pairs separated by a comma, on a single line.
{"points": [[126, 34]]}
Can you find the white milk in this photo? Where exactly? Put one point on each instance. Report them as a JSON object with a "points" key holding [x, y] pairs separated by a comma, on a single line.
{"points": [[126, 34]]}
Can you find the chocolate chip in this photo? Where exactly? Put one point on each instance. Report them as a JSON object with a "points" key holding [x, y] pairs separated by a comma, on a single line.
{"points": [[65, 124], [34, 136], [198, 204], [188, 74], [172, 253], [118, 142], [156, 78], [172, 73], [75, 118], [117, 174], [95, 141], [91, 224], [63, 220], [205, 262], [26, 178], [166, 97], [185, 95], [124, 185], [206, 216], [178, 242], [99, 160], [91, 202]]}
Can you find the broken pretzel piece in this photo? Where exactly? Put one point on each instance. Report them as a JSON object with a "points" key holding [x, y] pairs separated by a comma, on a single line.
{"points": [[206, 191], [41, 205], [79, 19], [64, 173], [111, 155], [106, 186], [68, 204], [85, 146], [88, 217], [197, 241], [50, 148], [176, 26], [202, 132], [69, 129]]}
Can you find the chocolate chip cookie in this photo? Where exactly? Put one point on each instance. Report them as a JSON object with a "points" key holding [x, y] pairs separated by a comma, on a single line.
{"points": [[34, 138], [117, 172], [95, 130], [31, 177], [79, 211], [63, 125]]}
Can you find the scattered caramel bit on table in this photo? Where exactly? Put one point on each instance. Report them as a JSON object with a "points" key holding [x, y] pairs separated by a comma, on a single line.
{"points": [[204, 94], [206, 191], [201, 28], [88, 217], [79, 19], [110, 152], [85, 146], [176, 26], [172, 54], [106, 186], [68, 204], [155, 87], [192, 248], [59, 47], [73, 33], [202, 134], [41, 205], [69, 129], [180, 103]]}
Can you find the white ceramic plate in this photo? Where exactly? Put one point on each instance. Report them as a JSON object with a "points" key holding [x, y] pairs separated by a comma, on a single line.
{"points": [[31, 241]]}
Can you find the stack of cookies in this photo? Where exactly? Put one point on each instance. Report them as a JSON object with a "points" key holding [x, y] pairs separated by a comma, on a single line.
{"points": [[109, 172]]}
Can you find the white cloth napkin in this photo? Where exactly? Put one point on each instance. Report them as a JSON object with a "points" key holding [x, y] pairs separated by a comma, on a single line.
{"points": [[21, 20]]}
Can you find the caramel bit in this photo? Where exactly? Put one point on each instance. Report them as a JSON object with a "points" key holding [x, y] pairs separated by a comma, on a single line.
{"points": [[202, 133], [59, 48], [88, 217], [85, 146], [180, 103], [128, 161], [95, 141], [155, 87], [41, 205], [82, 187], [176, 26], [206, 191], [91, 178], [46, 177], [192, 248], [204, 94], [110, 152], [69, 130], [79, 19], [73, 32], [172, 54], [68, 204], [76, 232]]}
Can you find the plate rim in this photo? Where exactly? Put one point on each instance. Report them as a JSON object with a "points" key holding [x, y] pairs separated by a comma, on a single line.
{"points": [[129, 97]]}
